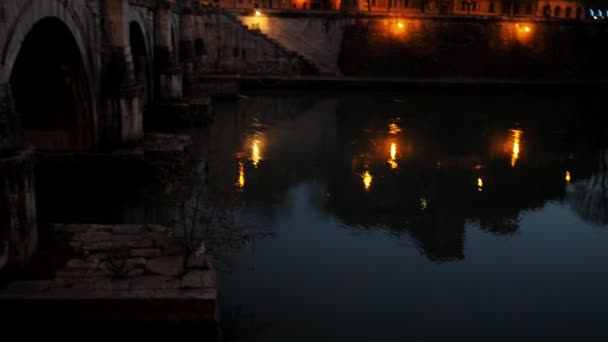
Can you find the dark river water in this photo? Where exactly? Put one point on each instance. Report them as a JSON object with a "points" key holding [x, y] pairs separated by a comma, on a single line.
{"points": [[416, 217], [411, 216]]}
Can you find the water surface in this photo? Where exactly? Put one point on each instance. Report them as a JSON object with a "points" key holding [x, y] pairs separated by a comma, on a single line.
{"points": [[413, 216]]}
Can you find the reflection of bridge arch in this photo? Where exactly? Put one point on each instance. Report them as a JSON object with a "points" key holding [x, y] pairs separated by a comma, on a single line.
{"points": [[50, 81]]}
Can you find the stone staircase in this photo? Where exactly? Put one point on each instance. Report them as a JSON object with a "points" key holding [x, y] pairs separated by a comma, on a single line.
{"points": [[308, 66]]}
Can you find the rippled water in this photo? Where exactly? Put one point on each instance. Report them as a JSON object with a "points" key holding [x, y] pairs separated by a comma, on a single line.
{"points": [[415, 217]]}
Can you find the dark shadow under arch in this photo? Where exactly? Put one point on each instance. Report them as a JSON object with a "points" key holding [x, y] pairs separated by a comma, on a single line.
{"points": [[51, 90], [141, 62], [174, 43]]}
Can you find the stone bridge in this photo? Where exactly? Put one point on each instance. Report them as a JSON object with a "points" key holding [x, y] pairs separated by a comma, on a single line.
{"points": [[78, 76]]}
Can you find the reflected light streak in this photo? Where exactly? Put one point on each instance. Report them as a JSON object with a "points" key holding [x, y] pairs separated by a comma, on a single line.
{"points": [[568, 177], [256, 155], [392, 161], [367, 180], [241, 180], [393, 129], [516, 146]]}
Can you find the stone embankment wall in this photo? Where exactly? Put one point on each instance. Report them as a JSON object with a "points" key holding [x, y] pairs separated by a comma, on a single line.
{"points": [[424, 46], [232, 47], [475, 48]]}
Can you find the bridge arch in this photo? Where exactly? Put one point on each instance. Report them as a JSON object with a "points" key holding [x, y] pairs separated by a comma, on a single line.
{"points": [[51, 90], [49, 68], [31, 13]]}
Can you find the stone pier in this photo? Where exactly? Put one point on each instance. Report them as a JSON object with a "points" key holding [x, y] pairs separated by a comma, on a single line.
{"points": [[18, 208], [167, 67], [18, 230]]}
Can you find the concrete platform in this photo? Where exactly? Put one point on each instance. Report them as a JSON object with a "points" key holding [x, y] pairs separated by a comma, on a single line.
{"points": [[118, 272]]}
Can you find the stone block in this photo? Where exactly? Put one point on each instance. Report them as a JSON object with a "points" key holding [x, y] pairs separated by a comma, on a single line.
{"points": [[146, 252], [18, 208], [68, 274], [92, 236], [36, 286], [113, 245], [82, 264], [157, 228], [201, 262], [199, 279], [206, 293], [96, 257], [127, 229], [155, 282], [166, 266]]}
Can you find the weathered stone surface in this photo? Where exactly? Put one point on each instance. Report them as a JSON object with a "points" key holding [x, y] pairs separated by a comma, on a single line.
{"points": [[100, 285], [155, 293], [128, 238], [146, 252], [136, 272], [18, 226], [82, 264], [121, 229], [157, 228], [96, 257], [80, 273], [125, 268], [120, 285], [136, 262], [154, 283], [36, 286], [112, 245], [171, 247], [92, 236], [127, 229], [80, 228], [199, 279], [167, 266], [206, 293], [159, 238], [200, 262]]}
